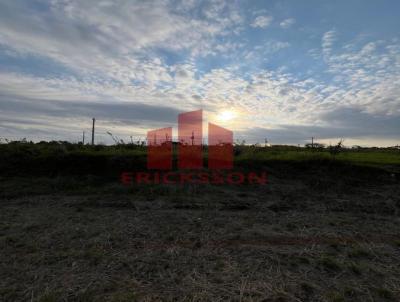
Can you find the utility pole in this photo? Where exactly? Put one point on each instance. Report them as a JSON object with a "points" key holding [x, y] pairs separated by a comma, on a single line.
{"points": [[312, 142], [83, 138], [94, 121]]}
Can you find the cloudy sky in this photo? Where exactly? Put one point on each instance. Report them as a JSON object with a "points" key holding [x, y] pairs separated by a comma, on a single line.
{"points": [[282, 70]]}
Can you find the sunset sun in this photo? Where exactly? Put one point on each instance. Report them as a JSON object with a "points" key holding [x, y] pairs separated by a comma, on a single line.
{"points": [[226, 116]]}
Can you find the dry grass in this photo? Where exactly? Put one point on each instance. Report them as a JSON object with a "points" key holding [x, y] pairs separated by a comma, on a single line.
{"points": [[292, 240]]}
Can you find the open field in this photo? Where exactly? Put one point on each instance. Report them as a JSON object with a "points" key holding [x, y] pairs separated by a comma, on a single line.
{"points": [[58, 158], [196, 151], [322, 229]]}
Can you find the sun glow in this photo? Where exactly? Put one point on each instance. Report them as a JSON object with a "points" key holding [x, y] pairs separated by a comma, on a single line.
{"points": [[226, 116]]}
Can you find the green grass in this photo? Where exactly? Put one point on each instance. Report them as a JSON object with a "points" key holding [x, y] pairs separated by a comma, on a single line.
{"points": [[54, 158], [374, 157], [391, 157]]}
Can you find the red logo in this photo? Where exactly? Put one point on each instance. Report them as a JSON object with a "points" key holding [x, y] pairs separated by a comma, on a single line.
{"points": [[192, 153], [190, 145]]}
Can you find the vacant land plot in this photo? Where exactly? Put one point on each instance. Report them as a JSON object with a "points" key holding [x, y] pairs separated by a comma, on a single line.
{"points": [[317, 232]]}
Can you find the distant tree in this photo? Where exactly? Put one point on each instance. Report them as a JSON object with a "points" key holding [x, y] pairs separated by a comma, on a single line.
{"points": [[336, 149], [240, 143], [116, 140], [316, 146], [356, 148]]}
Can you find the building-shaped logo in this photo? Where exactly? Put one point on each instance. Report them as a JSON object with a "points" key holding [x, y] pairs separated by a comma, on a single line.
{"points": [[190, 145]]}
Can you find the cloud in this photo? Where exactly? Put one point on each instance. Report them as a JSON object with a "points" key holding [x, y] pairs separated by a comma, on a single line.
{"points": [[262, 21], [287, 23], [128, 113], [113, 38], [265, 51], [121, 60], [328, 39], [347, 123], [367, 89], [66, 119], [274, 46]]}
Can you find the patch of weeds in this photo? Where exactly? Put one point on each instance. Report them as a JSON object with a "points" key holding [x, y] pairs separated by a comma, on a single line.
{"points": [[170, 238], [85, 296], [290, 226], [124, 297], [9, 240], [335, 246], [378, 271], [219, 265], [278, 298], [49, 296], [198, 244], [351, 292], [5, 226], [31, 248], [359, 252], [329, 264], [396, 243], [94, 255], [384, 293], [303, 260], [307, 288], [13, 240], [335, 297], [33, 227], [357, 269], [8, 293], [299, 260], [279, 207]]}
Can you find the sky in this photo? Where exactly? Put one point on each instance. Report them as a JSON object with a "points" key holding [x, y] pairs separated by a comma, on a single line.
{"points": [[282, 70]]}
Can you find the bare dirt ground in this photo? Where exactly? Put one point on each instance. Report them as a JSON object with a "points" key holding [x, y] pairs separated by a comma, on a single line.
{"points": [[291, 240]]}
